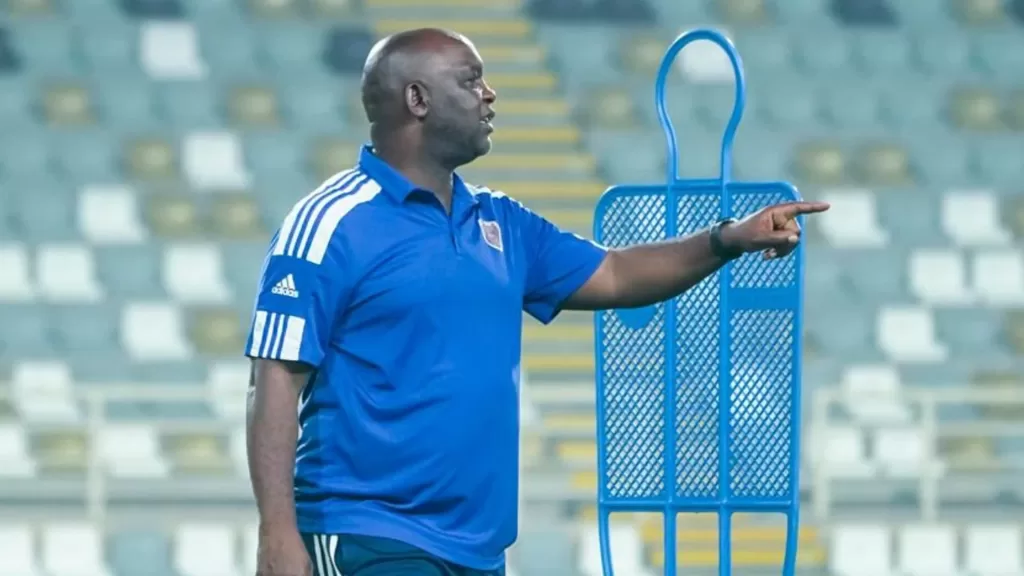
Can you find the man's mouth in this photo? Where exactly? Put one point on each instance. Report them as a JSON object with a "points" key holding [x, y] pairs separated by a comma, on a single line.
{"points": [[486, 121]]}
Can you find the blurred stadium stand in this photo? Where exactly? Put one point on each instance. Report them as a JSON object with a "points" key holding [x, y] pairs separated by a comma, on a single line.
{"points": [[149, 146]]}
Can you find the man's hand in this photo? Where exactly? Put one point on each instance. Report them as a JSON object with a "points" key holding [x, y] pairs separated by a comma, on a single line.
{"points": [[772, 230], [282, 553]]}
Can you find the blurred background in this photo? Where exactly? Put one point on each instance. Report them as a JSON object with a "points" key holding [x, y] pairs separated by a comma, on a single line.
{"points": [[149, 147]]}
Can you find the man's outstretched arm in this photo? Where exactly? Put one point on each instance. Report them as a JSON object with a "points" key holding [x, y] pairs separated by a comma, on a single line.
{"points": [[649, 273]]}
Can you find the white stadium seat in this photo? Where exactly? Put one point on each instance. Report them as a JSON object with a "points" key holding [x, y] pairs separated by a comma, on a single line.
{"points": [[907, 334], [16, 283], [861, 550], [228, 384], [872, 394], [939, 277], [971, 218], [67, 273], [43, 391], [73, 549], [194, 274], [205, 550], [905, 452], [994, 550], [18, 551], [853, 220], [999, 277], [214, 161], [627, 551], [840, 452], [14, 453], [109, 215], [927, 550], [169, 50], [154, 331], [131, 451], [704, 62]]}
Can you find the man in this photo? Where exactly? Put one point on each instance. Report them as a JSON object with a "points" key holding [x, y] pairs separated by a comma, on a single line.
{"points": [[387, 332]]}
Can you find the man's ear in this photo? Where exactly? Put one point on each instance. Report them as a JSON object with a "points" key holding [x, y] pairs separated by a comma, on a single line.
{"points": [[417, 99]]}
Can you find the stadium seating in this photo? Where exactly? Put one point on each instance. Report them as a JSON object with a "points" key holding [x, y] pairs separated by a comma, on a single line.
{"points": [[150, 146]]}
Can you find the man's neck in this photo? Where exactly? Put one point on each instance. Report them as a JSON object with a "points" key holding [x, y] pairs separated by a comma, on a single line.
{"points": [[422, 172]]}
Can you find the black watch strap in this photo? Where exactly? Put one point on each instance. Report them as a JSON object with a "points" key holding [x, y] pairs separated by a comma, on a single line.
{"points": [[717, 247]]}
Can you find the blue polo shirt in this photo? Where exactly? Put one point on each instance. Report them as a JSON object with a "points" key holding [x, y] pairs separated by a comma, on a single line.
{"points": [[412, 320]]}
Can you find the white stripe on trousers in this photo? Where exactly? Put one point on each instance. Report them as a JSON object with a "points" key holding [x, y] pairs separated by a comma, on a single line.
{"points": [[325, 546]]}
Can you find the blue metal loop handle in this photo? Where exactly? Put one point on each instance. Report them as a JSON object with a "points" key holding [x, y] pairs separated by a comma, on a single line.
{"points": [[739, 103]]}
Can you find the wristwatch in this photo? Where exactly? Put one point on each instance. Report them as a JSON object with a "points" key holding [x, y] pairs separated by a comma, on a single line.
{"points": [[717, 247]]}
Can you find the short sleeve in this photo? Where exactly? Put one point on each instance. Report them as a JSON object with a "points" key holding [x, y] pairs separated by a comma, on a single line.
{"points": [[558, 264], [297, 302]]}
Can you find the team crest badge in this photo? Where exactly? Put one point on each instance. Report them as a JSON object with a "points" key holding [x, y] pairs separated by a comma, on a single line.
{"points": [[492, 234]]}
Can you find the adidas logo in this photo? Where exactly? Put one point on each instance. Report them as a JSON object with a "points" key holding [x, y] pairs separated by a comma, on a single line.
{"points": [[286, 287]]}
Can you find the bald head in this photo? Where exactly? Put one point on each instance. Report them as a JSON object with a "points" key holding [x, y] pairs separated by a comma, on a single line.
{"points": [[424, 92], [398, 61]]}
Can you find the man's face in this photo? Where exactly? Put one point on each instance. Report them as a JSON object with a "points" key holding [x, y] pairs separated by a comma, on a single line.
{"points": [[458, 125]]}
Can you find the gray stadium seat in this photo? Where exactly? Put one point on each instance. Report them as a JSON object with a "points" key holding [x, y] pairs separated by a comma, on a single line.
{"points": [[16, 104], [44, 210], [877, 275], [133, 552], [268, 154], [84, 329], [45, 46], [88, 157], [346, 49], [228, 46], [996, 162], [790, 104], [314, 107], [10, 58], [940, 159], [125, 102], [24, 332], [109, 49], [130, 272], [822, 51], [291, 46], [153, 9], [189, 105], [971, 333], [853, 106], [24, 154], [943, 52], [911, 217], [885, 51]]}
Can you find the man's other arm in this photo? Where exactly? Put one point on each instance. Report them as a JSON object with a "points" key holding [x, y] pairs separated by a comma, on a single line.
{"points": [[272, 432], [650, 273]]}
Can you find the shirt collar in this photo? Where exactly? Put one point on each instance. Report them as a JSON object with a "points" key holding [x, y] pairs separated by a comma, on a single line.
{"points": [[397, 185]]}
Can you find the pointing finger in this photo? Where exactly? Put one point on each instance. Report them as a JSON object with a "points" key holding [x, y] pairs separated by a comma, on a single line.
{"points": [[791, 209]]}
